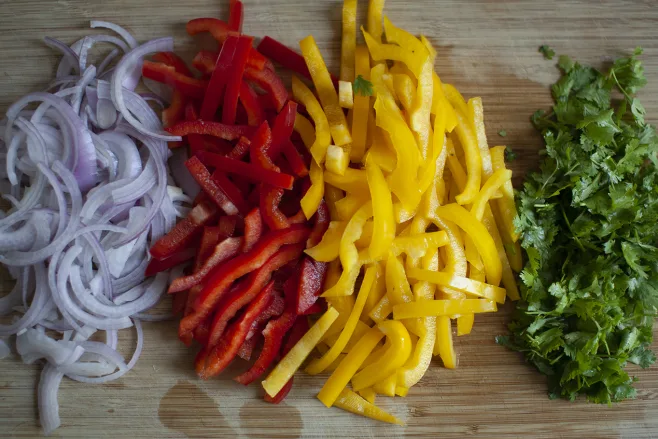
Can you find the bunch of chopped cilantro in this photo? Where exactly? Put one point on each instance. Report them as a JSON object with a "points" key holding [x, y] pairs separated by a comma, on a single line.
{"points": [[588, 221]]}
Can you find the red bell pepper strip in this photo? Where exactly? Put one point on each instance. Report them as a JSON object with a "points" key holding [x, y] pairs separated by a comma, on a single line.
{"points": [[217, 85], [205, 60], [260, 144], [227, 349], [318, 307], [269, 81], [171, 59], [274, 310], [257, 60], [254, 196], [235, 16], [209, 239], [287, 57], [216, 129], [224, 250], [238, 64], [207, 183], [182, 234], [298, 218], [247, 348], [320, 225], [248, 170], [266, 104], [240, 150], [231, 190], [309, 285], [296, 333], [202, 332], [282, 128], [175, 111], [270, 198], [251, 105], [178, 303], [295, 159], [273, 333], [157, 265], [188, 86], [222, 278], [227, 225], [219, 29], [249, 289], [195, 140], [253, 229]]}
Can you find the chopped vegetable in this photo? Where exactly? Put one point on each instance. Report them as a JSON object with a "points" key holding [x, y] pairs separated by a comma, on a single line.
{"points": [[362, 86], [502, 133], [587, 223], [546, 51]]}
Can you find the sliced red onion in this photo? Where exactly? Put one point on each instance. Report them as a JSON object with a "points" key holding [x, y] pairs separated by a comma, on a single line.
{"points": [[5, 350], [127, 65], [86, 174]]}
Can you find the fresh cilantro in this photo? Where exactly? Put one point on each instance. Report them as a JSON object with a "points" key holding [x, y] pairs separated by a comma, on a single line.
{"points": [[587, 220], [546, 51], [509, 154], [502, 133], [362, 86]]}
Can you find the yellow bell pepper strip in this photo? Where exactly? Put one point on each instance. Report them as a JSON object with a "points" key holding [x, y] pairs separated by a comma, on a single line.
{"points": [[381, 152], [313, 197], [353, 181], [305, 96], [360, 329], [377, 354], [403, 38], [368, 394], [421, 108], [430, 308], [418, 363], [509, 280], [404, 90], [335, 363], [377, 292], [417, 245], [337, 160], [345, 284], [331, 196], [344, 305], [465, 324], [429, 47], [455, 257], [349, 254], [374, 19], [305, 129], [345, 95], [463, 284], [366, 238], [480, 236], [353, 403], [382, 52], [360, 117], [348, 205], [349, 366], [397, 285], [401, 214], [326, 91], [327, 249], [473, 161], [394, 357], [444, 343], [318, 365], [382, 207], [348, 42], [456, 169], [386, 386], [403, 178], [476, 115], [289, 364], [455, 98], [497, 179], [401, 391], [382, 310], [472, 255]]}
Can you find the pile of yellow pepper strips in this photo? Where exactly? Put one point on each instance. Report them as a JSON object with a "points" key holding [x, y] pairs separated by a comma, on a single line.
{"points": [[419, 162]]}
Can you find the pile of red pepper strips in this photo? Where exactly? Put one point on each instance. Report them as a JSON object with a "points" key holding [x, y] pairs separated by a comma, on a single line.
{"points": [[246, 232]]}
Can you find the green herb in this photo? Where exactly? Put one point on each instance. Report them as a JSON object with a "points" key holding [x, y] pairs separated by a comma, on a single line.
{"points": [[587, 221], [546, 51], [362, 86], [502, 133], [509, 154]]}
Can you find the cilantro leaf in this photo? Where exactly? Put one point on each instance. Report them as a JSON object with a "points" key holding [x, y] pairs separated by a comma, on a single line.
{"points": [[587, 222], [509, 154], [362, 86], [546, 51], [502, 133]]}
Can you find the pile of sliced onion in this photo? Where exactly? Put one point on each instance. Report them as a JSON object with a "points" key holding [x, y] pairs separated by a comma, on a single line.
{"points": [[84, 166]]}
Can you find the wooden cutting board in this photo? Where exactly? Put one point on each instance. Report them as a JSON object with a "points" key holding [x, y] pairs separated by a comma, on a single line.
{"points": [[486, 48]]}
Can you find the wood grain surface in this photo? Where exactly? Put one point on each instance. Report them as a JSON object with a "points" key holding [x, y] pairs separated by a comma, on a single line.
{"points": [[487, 48]]}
